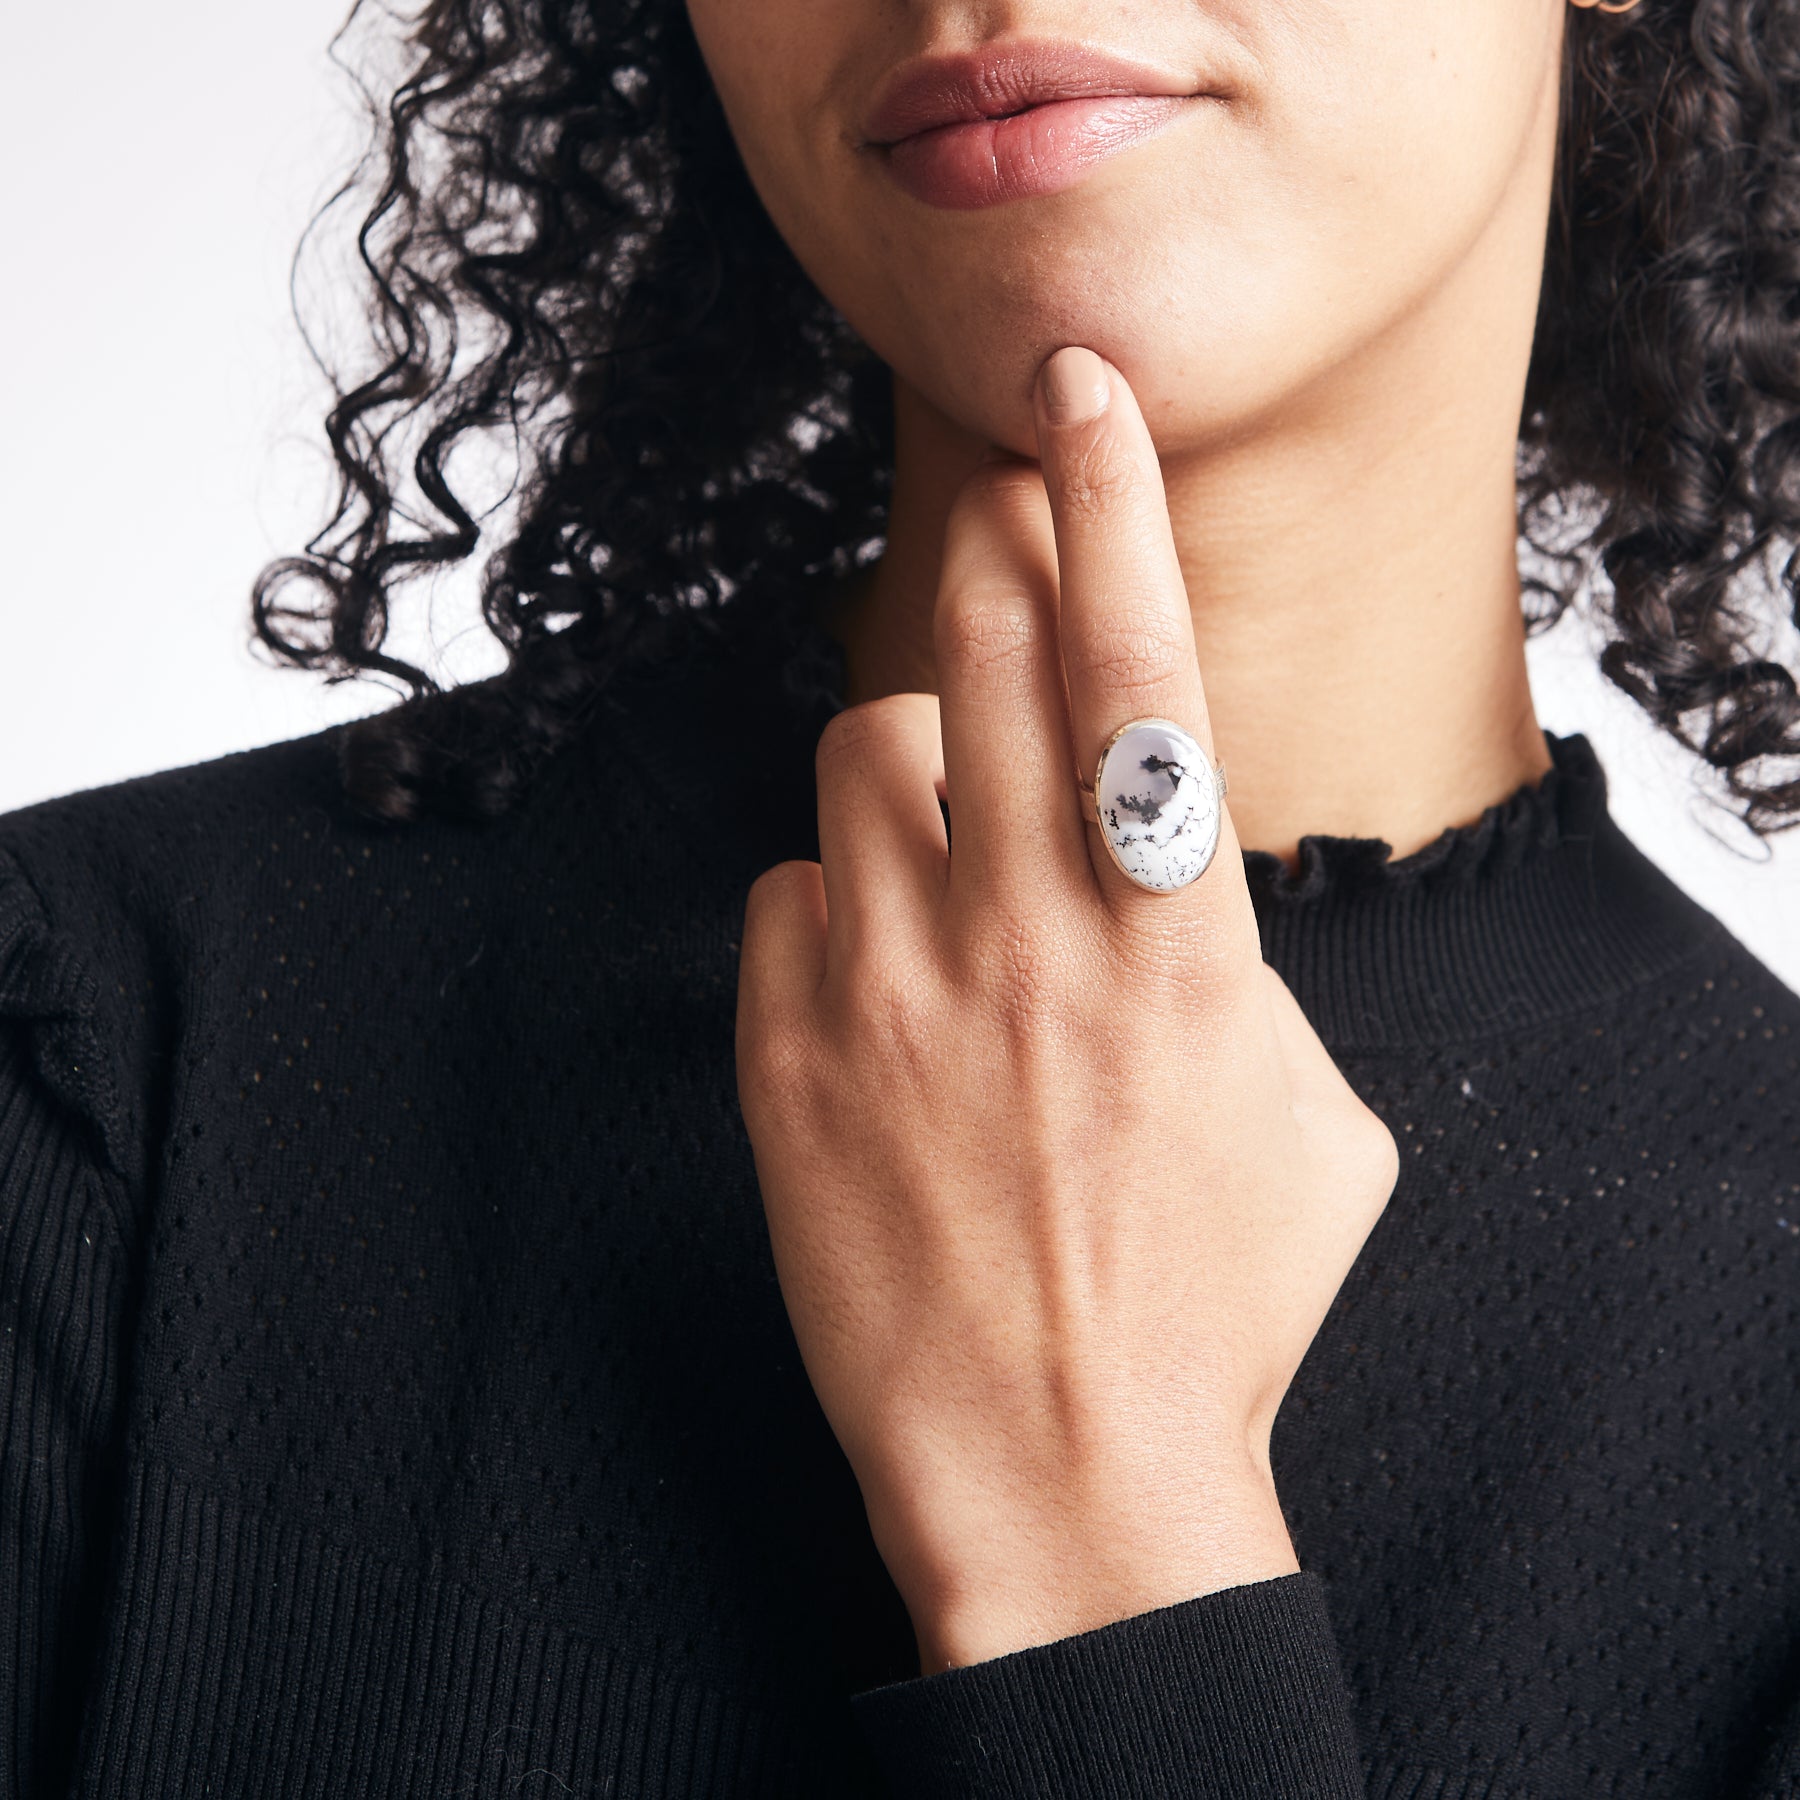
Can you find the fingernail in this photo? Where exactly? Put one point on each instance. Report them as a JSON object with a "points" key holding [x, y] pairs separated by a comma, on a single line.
{"points": [[1075, 386]]}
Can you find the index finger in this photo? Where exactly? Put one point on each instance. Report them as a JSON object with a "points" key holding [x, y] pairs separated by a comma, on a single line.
{"points": [[1127, 634], [1127, 639]]}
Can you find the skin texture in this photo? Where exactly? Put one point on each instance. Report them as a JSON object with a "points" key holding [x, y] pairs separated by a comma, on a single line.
{"points": [[1059, 1180]]}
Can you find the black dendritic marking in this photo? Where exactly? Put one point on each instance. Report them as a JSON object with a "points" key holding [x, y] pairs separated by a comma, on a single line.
{"points": [[1146, 806]]}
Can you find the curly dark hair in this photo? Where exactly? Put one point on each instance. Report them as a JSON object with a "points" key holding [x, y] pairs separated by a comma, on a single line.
{"points": [[562, 246]]}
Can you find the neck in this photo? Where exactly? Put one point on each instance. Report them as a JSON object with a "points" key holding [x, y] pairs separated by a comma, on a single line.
{"points": [[1351, 563]]}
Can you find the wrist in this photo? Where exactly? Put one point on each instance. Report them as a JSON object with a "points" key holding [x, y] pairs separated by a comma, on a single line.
{"points": [[1043, 1582]]}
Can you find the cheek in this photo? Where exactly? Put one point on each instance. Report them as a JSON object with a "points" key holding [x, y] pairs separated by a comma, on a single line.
{"points": [[744, 65], [778, 69]]}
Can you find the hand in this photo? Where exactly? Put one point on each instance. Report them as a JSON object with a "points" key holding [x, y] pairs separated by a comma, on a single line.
{"points": [[1059, 1180]]}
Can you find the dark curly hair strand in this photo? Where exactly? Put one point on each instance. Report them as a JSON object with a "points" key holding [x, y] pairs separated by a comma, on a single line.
{"points": [[562, 246]]}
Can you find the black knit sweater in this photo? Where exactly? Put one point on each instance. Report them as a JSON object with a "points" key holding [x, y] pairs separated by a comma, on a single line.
{"points": [[398, 1401]]}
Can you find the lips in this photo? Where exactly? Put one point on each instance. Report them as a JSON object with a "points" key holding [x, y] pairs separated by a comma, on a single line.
{"points": [[1014, 121]]}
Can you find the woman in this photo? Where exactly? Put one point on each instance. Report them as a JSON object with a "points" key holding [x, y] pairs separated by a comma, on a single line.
{"points": [[1287, 1295]]}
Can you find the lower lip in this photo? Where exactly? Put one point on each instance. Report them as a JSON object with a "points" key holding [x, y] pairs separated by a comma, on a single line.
{"points": [[987, 162]]}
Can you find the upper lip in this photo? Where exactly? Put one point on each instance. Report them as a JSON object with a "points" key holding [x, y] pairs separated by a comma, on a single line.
{"points": [[931, 92]]}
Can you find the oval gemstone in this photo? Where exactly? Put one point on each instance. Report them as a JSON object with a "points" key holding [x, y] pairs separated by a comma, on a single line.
{"points": [[1158, 801]]}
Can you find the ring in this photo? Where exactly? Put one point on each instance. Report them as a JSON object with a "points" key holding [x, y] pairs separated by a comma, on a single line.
{"points": [[1157, 802]]}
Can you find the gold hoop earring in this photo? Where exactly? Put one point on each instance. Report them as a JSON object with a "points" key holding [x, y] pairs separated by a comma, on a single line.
{"points": [[1605, 6]]}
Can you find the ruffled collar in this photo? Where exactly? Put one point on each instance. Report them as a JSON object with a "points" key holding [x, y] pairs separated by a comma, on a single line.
{"points": [[1539, 910], [1566, 806]]}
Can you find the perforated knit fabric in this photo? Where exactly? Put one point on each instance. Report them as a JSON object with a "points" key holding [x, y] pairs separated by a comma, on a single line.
{"points": [[398, 1401]]}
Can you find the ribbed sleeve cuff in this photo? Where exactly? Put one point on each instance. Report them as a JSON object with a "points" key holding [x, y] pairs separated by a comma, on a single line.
{"points": [[1237, 1695]]}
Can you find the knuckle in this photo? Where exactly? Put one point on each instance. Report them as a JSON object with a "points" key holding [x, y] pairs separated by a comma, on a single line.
{"points": [[1027, 964], [774, 1064], [1370, 1157], [1202, 986], [1384, 1161], [1133, 649], [1205, 965], [1003, 489], [1093, 478], [888, 1005], [776, 891], [987, 630], [855, 735], [1208, 971], [876, 740], [882, 987], [1019, 965]]}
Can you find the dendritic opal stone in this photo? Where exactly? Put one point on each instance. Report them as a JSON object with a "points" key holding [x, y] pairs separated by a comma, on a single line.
{"points": [[1158, 801]]}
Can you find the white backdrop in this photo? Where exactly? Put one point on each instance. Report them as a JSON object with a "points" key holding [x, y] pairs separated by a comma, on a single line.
{"points": [[161, 424]]}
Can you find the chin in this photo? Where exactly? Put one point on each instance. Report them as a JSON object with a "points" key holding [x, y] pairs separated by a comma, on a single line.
{"points": [[1204, 328], [1196, 386]]}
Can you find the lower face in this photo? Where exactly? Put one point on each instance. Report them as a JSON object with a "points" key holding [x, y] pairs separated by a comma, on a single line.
{"points": [[1230, 199]]}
